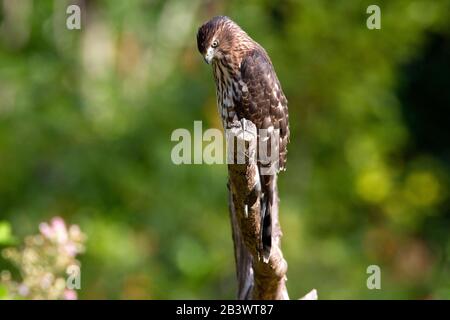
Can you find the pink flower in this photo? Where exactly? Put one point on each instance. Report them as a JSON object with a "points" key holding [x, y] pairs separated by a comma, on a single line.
{"points": [[46, 231], [70, 295], [75, 232], [23, 290], [59, 227], [71, 249]]}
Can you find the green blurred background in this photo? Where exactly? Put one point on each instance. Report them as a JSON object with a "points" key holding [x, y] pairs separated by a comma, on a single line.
{"points": [[86, 118]]}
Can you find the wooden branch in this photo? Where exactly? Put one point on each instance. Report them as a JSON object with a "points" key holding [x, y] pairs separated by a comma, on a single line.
{"points": [[257, 279]]}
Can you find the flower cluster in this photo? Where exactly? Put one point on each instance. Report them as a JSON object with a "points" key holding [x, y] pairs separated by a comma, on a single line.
{"points": [[44, 261]]}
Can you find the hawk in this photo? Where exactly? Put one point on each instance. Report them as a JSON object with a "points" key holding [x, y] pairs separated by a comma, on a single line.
{"points": [[247, 87]]}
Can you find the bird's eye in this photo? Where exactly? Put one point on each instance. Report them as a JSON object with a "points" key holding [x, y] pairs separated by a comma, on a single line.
{"points": [[215, 44]]}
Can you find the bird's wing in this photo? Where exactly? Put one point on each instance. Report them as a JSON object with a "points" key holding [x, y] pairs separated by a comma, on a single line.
{"points": [[262, 99]]}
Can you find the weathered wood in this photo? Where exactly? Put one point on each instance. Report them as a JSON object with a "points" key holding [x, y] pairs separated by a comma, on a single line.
{"points": [[257, 279]]}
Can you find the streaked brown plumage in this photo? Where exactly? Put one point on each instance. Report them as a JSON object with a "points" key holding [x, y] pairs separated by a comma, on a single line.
{"points": [[247, 87]]}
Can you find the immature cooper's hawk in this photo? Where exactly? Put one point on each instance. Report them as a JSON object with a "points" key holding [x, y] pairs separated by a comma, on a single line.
{"points": [[247, 87]]}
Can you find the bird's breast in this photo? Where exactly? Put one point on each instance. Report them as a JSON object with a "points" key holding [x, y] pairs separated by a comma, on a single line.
{"points": [[228, 93]]}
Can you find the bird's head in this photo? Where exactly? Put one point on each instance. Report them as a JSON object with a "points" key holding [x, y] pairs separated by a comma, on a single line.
{"points": [[218, 37]]}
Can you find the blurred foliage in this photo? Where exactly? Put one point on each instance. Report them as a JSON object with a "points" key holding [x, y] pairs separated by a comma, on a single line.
{"points": [[5, 233], [86, 118], [45, 263]]}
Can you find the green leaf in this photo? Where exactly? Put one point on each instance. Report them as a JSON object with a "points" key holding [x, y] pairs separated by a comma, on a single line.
{"points": [[5, 233], [3, 292]]}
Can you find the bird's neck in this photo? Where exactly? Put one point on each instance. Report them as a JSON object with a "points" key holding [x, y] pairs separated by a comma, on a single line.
{"points": [[230, 63]]}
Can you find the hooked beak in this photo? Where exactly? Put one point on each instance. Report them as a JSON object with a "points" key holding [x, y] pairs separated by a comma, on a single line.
{"points": [[209, 55]]}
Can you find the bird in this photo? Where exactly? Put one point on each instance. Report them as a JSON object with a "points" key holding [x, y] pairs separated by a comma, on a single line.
{"points": [[247, 87]]}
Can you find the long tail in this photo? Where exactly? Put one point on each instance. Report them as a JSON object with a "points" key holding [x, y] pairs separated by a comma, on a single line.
{"points": [[267, 188]]}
